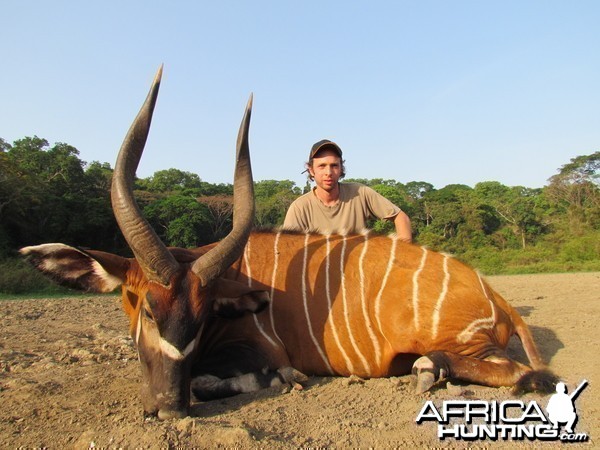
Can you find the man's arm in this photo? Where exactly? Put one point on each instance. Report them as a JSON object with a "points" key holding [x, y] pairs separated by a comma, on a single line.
{"points": [[382, 208], [403, 228]]}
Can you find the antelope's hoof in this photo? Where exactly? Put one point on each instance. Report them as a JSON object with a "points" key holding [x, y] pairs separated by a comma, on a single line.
{"points": [[427, 374], [293, 377], [425, 380]]}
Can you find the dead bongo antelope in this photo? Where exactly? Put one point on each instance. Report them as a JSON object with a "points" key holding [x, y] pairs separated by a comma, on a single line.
{"points": [[374, 306], [264, 308]]}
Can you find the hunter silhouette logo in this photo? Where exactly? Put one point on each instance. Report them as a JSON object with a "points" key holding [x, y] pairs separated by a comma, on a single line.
{"points": [[561, 406], [471, 420]]}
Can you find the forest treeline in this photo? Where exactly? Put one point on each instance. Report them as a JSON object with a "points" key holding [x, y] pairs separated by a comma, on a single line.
{"points": [[48, 194]]}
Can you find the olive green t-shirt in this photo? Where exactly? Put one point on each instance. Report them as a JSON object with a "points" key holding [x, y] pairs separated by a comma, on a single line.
{"points": [[357, 204]]}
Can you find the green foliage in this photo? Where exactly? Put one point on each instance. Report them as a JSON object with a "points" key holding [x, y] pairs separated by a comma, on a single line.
{"points": [[273, 199], [180, 221], [170, 180], [47, 194], [575, 190], [417, 189], [581, 249], [578, 255], [18, 277]]}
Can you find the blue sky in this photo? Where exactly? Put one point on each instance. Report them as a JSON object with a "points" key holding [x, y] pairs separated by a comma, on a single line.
{"points": [[438, 91]]}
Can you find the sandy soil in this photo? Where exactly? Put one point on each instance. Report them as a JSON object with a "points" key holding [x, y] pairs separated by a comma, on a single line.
{"points": [[69, 378]]}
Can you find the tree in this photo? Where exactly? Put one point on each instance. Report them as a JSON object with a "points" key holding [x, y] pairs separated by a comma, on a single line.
{"points": [[170, 180], [392, 193], [443, 209], [576, 188], [581, 169], [9, 192], [10, 185], [180, 221], [417, 189], [220, 208], [95, 224], [395, 193], [46, 197], [4, 146], [98, 176], [515, 205], [273, 199]]}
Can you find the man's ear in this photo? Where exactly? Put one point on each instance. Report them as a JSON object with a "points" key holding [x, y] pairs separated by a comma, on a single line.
{"points": [[233, 299]]}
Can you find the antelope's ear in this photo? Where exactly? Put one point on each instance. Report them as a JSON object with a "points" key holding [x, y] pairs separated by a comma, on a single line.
{"points": [[90, 271], [233, 299]]}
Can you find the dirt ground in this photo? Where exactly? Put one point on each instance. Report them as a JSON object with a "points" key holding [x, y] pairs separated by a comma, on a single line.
{"points": [[69, 378]]}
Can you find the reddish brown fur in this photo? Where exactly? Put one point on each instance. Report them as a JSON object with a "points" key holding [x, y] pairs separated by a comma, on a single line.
{"points": [[468, 300]]}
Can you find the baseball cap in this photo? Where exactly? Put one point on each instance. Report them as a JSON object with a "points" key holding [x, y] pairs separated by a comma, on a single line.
{"points": [[322, 145]]}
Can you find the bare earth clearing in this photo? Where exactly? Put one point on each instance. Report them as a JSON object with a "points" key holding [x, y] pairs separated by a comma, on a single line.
{"points": [[69, 378]]}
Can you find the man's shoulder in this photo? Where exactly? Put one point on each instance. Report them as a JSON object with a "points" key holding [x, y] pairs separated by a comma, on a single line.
{"points": [[304, 199], [379, 205], [353, 188]]}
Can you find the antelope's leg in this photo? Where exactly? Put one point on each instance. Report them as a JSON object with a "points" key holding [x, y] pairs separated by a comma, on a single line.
{"points": [[493, 371], [210, 387]]}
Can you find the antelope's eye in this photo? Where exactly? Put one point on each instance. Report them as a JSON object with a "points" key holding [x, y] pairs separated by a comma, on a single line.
{"points": [[147, 314]]}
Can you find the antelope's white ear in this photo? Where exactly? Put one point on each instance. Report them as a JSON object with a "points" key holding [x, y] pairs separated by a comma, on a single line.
{"points": [[86, 271], [233, 299]]}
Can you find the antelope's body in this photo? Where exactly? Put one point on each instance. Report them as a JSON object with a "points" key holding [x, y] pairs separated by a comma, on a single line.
{"points": [[371, 305], [346, 305], [258, 309]]}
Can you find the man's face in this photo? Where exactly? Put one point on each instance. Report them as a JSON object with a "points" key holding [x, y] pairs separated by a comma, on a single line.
{"points": [[326, 169]]}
